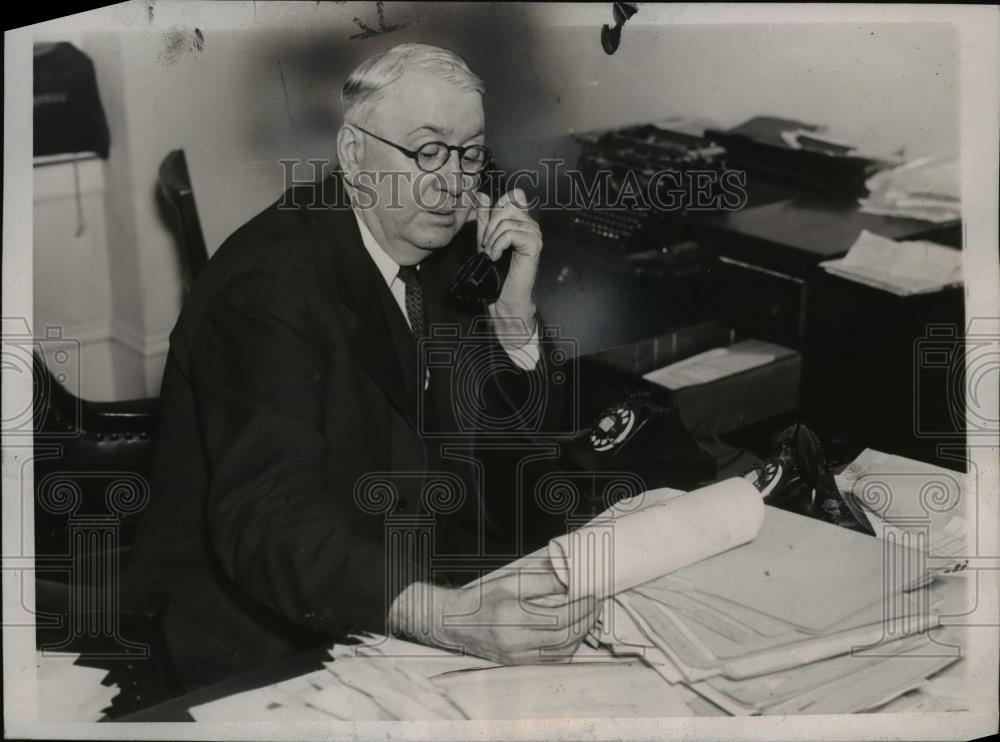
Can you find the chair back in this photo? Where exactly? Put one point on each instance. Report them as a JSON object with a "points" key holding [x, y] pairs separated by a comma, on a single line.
{"points": [[175, 185]]}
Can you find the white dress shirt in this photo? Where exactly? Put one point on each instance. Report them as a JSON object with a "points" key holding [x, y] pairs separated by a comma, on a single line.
{"points": [[525, 356]]}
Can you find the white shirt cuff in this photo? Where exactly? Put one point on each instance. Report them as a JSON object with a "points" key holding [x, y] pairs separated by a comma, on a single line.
{"points": [[526, 356]]}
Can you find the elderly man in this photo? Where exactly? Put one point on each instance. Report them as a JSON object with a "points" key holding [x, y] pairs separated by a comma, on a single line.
{"points": [[294, 390]]}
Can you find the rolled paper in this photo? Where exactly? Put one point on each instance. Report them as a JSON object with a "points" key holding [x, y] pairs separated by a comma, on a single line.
{"points": [[617, 551]]}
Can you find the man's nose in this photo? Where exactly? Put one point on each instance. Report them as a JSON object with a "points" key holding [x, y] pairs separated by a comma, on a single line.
{"points": [[456, 182]]}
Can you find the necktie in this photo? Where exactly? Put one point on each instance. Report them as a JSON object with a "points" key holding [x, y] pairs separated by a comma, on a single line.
{"points": [[410, 276]]}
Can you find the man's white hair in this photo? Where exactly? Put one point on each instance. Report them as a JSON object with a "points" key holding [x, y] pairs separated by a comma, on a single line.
{"points": [[367, 84]]}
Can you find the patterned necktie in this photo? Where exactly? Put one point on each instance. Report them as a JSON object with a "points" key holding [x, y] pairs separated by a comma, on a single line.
{"points": [[410, 276]]}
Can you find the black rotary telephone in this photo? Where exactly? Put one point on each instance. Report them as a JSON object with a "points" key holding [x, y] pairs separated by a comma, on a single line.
{"points": [[614, 427], [641, 435], [479, 279]]}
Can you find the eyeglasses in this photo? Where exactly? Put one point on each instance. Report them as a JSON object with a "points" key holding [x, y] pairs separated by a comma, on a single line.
{"points": [[432, 156]]}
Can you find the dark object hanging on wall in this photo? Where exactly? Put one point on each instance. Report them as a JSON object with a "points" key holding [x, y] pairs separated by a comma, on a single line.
{"points": [[68, 114], [611, 36]]}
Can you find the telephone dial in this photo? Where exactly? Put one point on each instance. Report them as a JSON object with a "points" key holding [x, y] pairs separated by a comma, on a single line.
{"points": [[644, 436], [613, 428]]}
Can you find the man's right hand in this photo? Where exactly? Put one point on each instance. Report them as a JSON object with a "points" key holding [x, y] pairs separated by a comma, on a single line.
{"points": [[520, 618]]}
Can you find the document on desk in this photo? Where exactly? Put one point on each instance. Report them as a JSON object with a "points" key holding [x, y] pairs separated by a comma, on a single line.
{"points": [[774, 626], [902, 494], [378, 679], [708, 595], [278, 702], [901, 268], [927, 188], [71, 692], [613, 689], [387, 679], [716, 363], [620, 550]]}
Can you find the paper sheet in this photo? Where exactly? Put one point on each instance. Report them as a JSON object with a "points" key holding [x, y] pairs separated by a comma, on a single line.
{"points": [[927, 188], [716, 363], [620, 689], [71, 692], [794, 556], [613, 554], [270, 703], [901, 268]]}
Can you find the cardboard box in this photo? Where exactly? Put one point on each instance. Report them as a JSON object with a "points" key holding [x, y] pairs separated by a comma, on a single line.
{"points": [[724, 404]]}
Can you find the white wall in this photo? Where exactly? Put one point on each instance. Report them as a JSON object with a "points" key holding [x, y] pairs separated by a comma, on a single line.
{"points": [[881, 85], [80, 265], [269, 89]]}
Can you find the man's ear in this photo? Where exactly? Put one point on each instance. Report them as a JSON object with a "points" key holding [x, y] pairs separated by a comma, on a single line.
{"points": [[349, 150]]}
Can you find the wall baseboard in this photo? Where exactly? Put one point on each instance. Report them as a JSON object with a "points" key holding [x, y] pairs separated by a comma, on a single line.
{"points": [[103, 329], [137, 372]]}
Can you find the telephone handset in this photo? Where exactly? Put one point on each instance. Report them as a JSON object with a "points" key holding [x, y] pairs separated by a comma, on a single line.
{"points": [[479, 278]]}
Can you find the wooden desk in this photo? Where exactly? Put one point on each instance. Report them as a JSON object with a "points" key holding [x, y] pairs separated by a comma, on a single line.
{"points": [[638, 690], [859, 344], [794, 235], [864, 375]]}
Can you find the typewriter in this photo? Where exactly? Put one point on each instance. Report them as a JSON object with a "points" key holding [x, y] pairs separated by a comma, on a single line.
{"points": [[631, 158]]}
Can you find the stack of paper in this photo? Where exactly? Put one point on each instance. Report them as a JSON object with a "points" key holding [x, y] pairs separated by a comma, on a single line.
{"points": [[71, 692], [780, 625], [379, 679], [713, 603], [901, 268], [386, 679], [927, 188]]}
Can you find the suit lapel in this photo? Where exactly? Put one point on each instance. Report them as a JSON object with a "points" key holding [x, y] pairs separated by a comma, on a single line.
{"points": [[387, 352], [360, 286]]}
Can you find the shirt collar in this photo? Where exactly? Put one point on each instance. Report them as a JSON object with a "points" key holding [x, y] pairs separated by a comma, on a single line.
{"points": [[388, 267]]}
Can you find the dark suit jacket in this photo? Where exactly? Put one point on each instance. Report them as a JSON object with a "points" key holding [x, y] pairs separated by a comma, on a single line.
{"points": [[290, 433]]}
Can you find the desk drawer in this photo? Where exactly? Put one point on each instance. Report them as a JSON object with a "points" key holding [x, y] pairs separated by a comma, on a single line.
{"points": [[758, 301]]}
